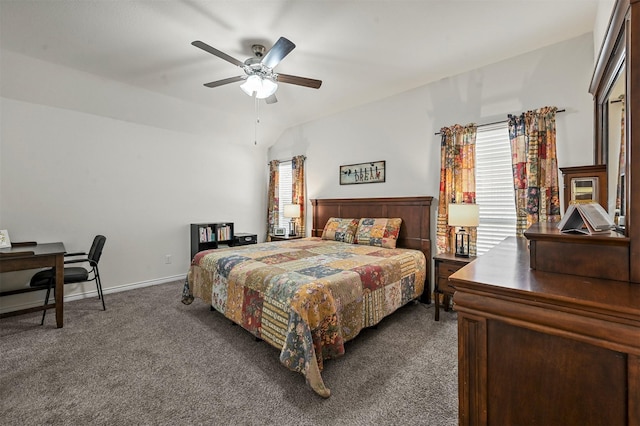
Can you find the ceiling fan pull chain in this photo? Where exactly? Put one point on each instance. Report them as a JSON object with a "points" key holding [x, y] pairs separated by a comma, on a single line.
{"points": [[255, 134]]}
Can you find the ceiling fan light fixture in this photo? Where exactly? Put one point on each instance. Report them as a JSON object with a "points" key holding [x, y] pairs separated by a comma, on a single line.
{"points": [[251, 85], [268, 88], [261, 87]]}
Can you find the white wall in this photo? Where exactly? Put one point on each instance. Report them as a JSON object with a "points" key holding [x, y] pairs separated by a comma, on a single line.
{"points": [[80, 156], [401, 129]]}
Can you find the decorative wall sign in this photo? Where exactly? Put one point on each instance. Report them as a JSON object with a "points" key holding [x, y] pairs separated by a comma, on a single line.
{"points": [[372, 172]]}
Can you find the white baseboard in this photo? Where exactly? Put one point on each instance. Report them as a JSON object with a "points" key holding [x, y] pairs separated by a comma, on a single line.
{"points": [[92, 293]]}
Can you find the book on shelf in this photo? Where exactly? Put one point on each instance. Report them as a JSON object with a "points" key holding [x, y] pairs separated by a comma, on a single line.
{"points": [[206, 234], [224, 233], [586, 218]]}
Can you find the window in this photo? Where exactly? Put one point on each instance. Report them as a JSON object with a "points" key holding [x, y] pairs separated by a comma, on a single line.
{"points": [[494, 186], [285, 187]]}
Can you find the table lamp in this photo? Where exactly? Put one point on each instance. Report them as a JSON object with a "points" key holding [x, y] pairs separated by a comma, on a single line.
{"points": [[292, 211], [463, 215]]}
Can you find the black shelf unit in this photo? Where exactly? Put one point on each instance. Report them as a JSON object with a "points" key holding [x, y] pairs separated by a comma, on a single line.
{"points": [[207, 236]]}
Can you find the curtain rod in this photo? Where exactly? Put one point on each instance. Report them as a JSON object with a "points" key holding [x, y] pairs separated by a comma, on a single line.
{"points": [[287, 159], [620, 99], [496, 122]]}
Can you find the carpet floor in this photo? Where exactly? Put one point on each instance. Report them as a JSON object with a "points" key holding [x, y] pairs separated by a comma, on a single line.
{"points": [[149, 359]]}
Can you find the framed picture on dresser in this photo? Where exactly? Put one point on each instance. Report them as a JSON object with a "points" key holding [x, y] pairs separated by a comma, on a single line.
{"points": [[4, 239], [585, 184]]}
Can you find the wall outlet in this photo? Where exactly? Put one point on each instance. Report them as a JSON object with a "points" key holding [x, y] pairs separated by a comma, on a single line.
{"points": [[167, 259]]}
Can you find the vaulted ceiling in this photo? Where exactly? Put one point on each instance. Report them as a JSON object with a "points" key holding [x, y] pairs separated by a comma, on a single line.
{"points": [[361, 50]]}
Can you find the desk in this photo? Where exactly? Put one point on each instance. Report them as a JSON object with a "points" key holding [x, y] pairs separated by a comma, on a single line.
{"points": [[37, 256]]}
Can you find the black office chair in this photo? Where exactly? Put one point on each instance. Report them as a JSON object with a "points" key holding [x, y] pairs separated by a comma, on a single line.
{"points": [[77, 274]]}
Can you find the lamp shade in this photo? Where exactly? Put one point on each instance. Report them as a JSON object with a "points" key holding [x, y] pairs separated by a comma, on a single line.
{"points": [[268, 88], [251, 85], [464, 215], [292, 210]]}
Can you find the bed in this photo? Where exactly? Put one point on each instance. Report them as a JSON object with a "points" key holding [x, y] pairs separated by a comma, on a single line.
{"points": [[365, 258]]}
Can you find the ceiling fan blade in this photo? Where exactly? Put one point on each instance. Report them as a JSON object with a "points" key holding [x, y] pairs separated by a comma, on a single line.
{"points": [[271, 99], [225, 81], [204, 46], [300, 81], [279, 50]]}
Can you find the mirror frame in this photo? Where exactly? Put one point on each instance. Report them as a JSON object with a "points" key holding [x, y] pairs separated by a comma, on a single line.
{"points": [[620, 32], [610, 61]]}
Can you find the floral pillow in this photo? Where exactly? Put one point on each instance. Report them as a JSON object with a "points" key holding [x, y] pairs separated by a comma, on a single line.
{"points": [[378, 232], [338, 229]]}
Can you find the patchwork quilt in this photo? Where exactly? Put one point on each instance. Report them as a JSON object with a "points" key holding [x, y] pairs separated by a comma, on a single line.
{"points": [[306, 297]]}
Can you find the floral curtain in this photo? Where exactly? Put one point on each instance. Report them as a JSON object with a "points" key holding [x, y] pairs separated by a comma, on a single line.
{"points": [[535, 167], [457, 181], [298, 193], [272, 198]]}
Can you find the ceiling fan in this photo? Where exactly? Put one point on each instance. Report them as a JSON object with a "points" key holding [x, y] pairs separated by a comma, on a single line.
{"points": [[260, 80]]}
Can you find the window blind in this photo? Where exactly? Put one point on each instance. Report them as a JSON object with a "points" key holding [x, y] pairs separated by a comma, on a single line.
{"points": [[494, 186], [285, 189]]}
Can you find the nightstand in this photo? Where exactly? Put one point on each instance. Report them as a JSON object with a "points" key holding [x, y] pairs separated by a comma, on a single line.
{"points": [[285, 237], [445, 265]]}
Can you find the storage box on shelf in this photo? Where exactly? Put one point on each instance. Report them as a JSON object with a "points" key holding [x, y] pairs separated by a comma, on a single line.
{"points": [[243, 239]]}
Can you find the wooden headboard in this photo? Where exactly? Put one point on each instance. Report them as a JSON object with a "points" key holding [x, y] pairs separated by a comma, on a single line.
{"points": [[415, 232]]}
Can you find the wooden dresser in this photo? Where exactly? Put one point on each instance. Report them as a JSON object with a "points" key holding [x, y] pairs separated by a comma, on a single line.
{"points": [[543, 348], [549, 328]]}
